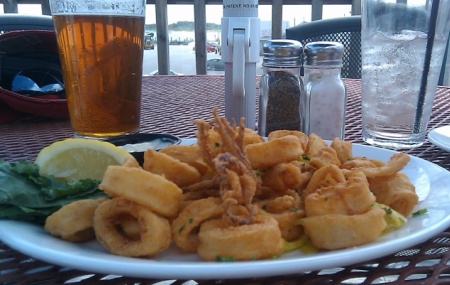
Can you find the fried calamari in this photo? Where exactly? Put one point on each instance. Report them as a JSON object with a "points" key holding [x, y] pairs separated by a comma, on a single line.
{"points": [[112, 222], [74, 221]]}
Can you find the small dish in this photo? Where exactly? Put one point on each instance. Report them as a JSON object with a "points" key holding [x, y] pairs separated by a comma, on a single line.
{"points": [[137, 144], [440, 137]]}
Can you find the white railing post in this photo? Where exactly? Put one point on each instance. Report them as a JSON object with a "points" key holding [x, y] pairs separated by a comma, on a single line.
{"points": [[162, 37], [277, 19], [200, 36]]}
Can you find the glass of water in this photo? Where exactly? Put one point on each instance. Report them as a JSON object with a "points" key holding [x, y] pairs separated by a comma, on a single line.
{"points": [[403, 45]]}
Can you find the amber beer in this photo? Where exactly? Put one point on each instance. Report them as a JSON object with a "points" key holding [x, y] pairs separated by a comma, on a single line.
{"points": [[101, 57]]}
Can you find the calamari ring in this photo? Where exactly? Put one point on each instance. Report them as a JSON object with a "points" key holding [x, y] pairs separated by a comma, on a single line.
{"points": [[258, 240], [185, 226], [337, 231], [74, 221], [154, 235], [147, 189]]}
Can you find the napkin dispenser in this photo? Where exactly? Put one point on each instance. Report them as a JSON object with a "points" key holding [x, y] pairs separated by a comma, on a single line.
{"points": [[240, 53]]}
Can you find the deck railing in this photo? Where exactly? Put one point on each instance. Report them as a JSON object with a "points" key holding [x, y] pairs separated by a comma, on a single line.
{"points": [[11, 6]]}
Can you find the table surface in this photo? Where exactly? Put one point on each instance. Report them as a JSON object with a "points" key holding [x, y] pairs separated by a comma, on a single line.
{"points": [[169, 105]]}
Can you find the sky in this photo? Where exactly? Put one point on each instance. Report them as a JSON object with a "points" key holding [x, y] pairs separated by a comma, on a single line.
{"points": [[294, 14]]}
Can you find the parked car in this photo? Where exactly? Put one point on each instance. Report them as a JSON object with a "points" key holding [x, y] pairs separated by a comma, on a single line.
{"points": [[215, 64], [209, 48]]}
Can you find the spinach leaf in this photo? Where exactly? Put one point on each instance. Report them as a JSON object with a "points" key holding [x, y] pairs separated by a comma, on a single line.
{"points": [[28, 196]]}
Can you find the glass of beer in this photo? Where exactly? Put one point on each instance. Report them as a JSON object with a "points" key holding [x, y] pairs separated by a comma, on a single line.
{"points": [[100, 46]]}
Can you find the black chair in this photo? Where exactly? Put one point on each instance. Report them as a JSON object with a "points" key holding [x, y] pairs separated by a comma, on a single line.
{"points": [[346, 30], [15, 22]]}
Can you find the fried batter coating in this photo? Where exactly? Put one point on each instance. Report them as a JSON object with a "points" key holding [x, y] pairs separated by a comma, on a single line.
{"points": [[250, 136], [395, 191], [270, 153], [188, 154], [288, 223], [131, 162], [358, 163], [286, 211], [282, 133], [315, 143], [238, 181], [74, 221], [394, 165], [154, 231], [343, 149], [282, 176], [172, 169], [323, 157], [185, 226], [347, 198], [329, 175], [237, 192], [214, 138], [337, 231], [150, 190], [258, 240]]}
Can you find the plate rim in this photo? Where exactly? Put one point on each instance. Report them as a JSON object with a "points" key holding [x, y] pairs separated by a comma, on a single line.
{"points": [[435, 140]]}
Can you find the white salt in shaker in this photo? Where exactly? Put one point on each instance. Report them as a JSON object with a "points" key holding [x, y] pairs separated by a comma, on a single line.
{"points": [[325, 100]]}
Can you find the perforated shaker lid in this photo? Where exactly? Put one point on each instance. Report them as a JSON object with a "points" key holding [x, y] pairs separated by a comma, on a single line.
{"points": [[284, 53], [323, 53]]}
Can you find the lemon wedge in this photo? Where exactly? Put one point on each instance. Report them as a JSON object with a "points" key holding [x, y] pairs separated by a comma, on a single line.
{"points": [[79, 158]]}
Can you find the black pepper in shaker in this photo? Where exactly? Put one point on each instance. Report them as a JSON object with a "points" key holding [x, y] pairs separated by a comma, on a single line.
{"points": [[281, 87]]}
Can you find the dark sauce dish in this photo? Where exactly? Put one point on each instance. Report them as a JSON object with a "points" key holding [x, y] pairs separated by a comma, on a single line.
{"points": [[137, 144]]}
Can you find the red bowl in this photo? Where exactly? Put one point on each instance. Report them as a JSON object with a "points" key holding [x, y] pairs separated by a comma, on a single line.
{"points": [[30, 44], [44, 105]]}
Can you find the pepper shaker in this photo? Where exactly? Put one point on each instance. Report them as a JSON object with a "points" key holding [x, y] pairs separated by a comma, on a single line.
{"points": [[280, 87], [325, 100]]}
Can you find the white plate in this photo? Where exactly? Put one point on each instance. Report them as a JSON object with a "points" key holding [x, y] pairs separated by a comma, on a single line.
{"points": [[431, 182], [440, 137]]}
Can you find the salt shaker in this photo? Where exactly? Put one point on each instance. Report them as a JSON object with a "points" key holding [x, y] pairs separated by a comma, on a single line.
{"points": [[280, 87], [325, 100]]}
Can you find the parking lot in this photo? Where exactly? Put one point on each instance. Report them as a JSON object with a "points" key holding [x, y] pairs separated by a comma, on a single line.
{"points": [[182, 60]]}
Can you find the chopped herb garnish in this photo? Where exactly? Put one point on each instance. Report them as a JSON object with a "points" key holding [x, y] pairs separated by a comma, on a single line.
{"points": [[420, 212], [305, 157], [224, 258], [191, 220], [181, 229], [388, 210]]}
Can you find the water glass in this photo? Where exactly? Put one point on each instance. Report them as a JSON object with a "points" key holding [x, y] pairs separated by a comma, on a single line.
{"points": [[403, 45]]}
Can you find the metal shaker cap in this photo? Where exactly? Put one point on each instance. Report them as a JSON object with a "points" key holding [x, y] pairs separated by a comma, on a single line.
{"points": [[282, 53], [323, 53]]}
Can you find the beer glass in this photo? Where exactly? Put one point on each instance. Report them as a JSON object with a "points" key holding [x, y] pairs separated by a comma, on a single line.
{"points": [[100, 46]]}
